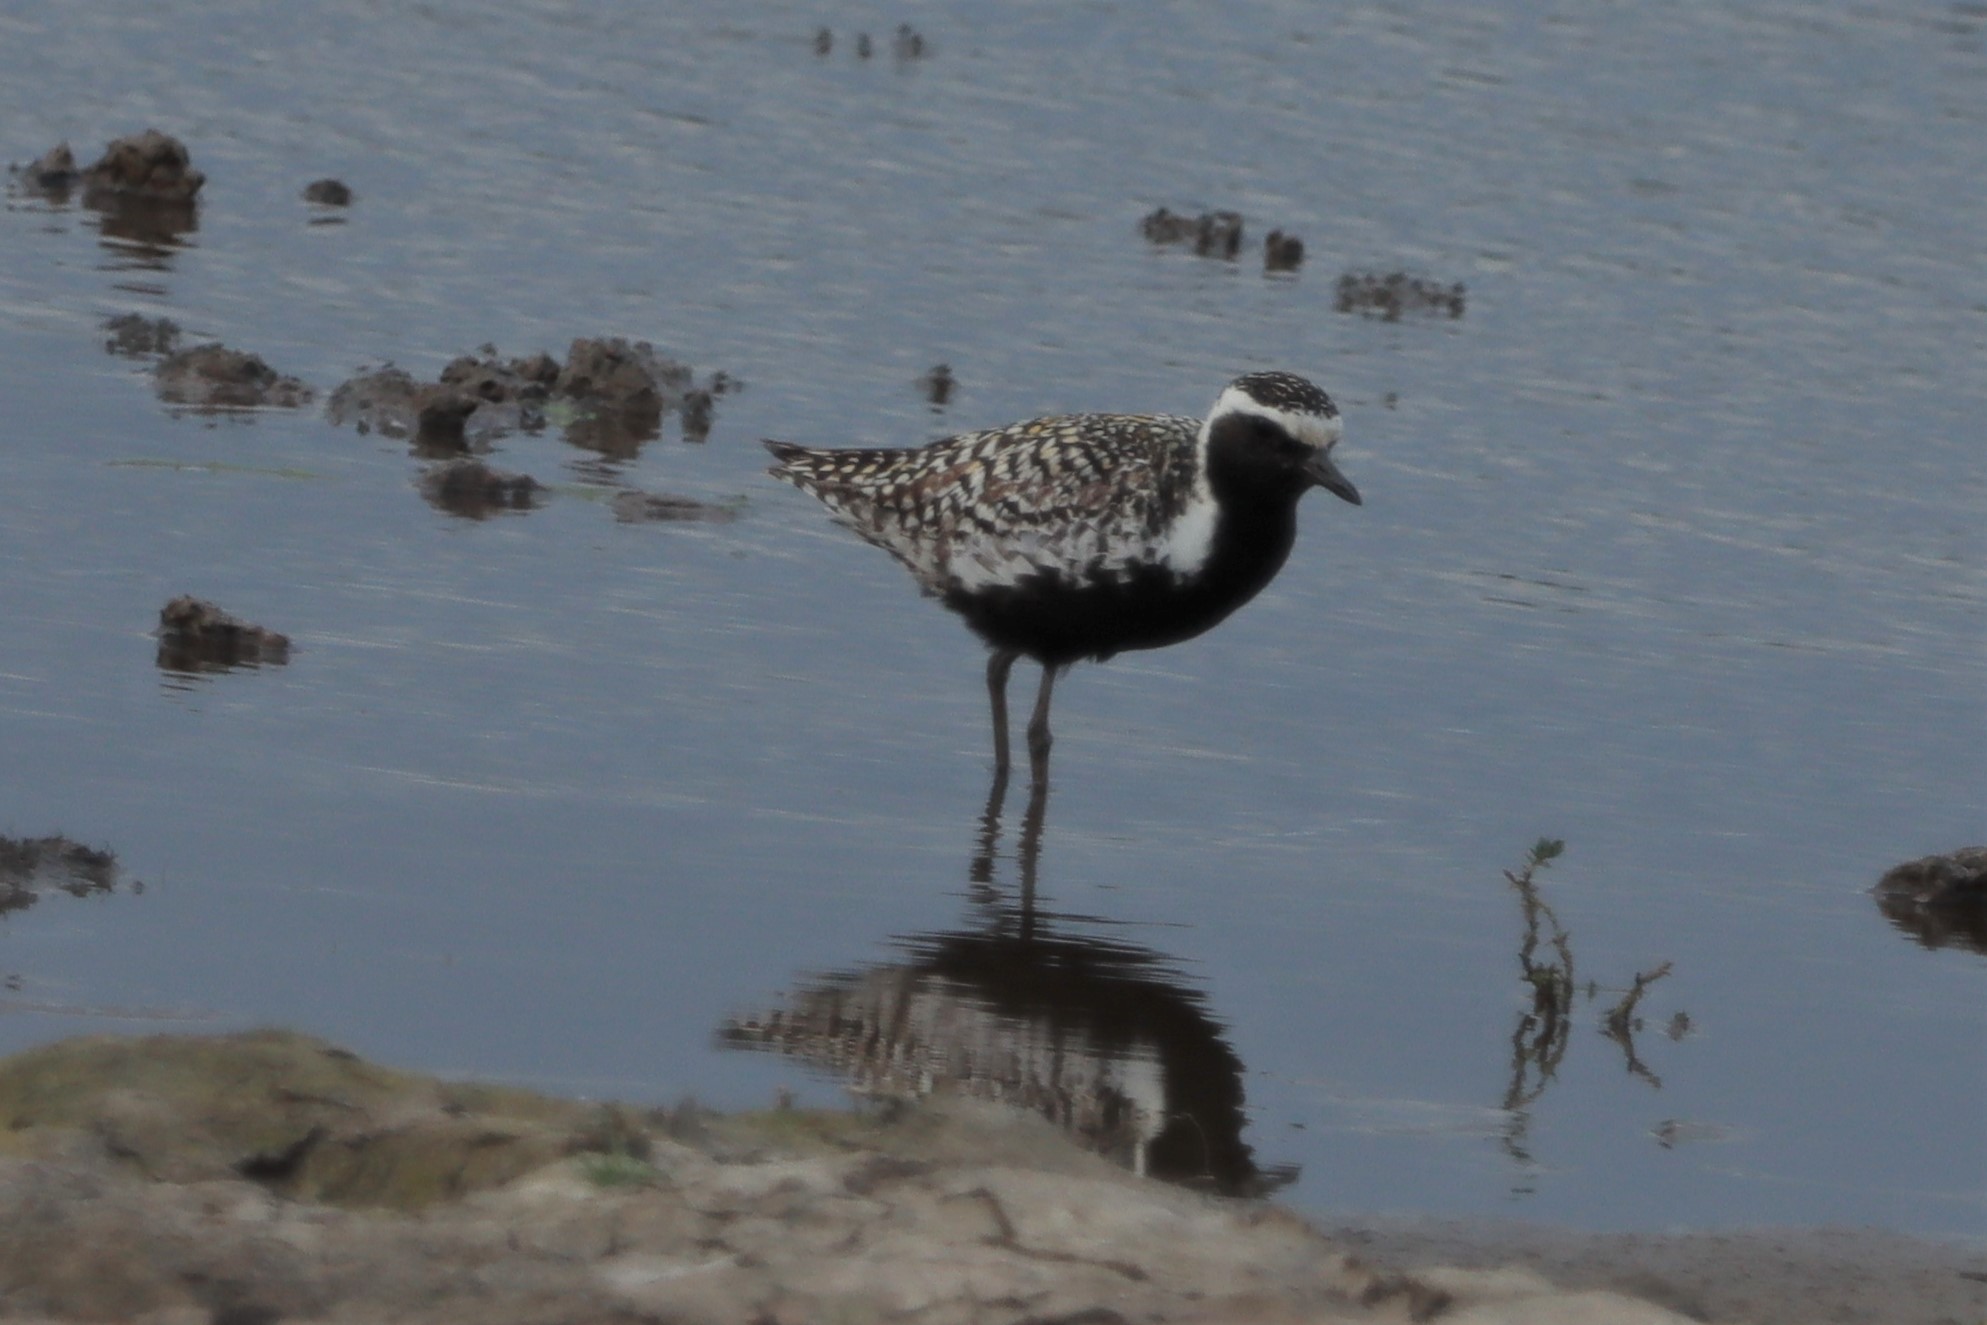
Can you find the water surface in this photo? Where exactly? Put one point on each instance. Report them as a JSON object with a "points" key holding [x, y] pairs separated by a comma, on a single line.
{"points": [[1671, 549]]}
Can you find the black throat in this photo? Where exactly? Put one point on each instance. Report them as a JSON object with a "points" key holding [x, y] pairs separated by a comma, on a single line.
{"points": [[1256, 512]]}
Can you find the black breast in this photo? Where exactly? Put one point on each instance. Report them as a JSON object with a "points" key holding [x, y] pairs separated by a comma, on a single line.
{"points": [[1057, 619]]}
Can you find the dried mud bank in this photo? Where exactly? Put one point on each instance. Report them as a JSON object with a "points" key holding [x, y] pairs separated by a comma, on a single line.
{"points": [[269, 1176]]}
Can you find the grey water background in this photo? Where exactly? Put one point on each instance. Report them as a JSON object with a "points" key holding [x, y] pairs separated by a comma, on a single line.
{"points": [[1672, 549]]}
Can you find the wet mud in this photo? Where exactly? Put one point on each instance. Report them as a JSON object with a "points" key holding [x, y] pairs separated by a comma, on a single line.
{"points": [[196, 638], [1939, 901], [1394, 295], [214, 377]]}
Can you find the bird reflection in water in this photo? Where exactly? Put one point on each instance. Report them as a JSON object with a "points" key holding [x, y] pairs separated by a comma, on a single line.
{"points": [[1102, 1037]]}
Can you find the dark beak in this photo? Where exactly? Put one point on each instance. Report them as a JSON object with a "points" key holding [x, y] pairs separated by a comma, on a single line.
{"points": [[1321, 471]]}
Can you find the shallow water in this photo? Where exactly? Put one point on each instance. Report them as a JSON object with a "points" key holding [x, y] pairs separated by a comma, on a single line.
{"points": [[1671, 549]]}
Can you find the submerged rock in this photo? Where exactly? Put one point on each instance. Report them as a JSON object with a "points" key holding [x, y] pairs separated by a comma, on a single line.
{"points": [[214, 377], [195, 636]]}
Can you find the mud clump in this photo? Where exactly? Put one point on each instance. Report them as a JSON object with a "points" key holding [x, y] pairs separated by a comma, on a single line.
{"points": [[1395, 295], [471, 489], [434, 416], [621, 387], [214, 377], [328, 193], [134, 336], [1939, 901], [1212, 234], [494, 380], [1282, 252], [145, 165], [31, 866], [144, 186], [906, 45], [52, 174], [613, 393], [149, 165], [197, 637], [624, 388], [656, 507]]}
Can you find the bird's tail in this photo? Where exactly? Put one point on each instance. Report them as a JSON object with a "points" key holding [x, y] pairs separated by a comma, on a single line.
{"points": [[789, 460]]}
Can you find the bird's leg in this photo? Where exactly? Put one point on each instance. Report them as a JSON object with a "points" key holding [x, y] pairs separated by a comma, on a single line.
{"points": [[1031, 836], [1039, 739], [998, 667]]}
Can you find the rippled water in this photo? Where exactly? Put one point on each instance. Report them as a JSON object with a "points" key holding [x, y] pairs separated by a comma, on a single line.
{"points": [[1671, 549]]}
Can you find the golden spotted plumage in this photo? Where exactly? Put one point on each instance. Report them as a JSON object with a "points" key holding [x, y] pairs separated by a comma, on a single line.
{"points": [[1080, 495]]}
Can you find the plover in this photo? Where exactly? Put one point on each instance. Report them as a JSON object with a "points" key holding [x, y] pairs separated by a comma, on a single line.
{"points": [[1084, 535]]}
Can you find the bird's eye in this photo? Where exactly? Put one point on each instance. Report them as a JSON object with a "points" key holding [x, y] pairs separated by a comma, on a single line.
{"points": [[1277, 438]]}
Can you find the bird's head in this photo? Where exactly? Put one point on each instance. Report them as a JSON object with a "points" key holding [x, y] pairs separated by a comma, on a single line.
{"points": [[1277, 429]]}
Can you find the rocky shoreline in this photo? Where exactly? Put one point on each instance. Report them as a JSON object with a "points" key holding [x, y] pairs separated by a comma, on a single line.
{"points": [[264, 1176]]}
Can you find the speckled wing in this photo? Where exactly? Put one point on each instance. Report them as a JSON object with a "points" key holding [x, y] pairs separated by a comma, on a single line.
{"points": [[1085, 497]]}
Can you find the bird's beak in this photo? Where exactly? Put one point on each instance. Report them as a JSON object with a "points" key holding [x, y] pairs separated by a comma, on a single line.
{"points": [[1321, 471]]}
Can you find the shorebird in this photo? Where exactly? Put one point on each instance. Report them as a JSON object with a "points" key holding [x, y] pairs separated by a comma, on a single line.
{"points": [[1084, 535]]}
